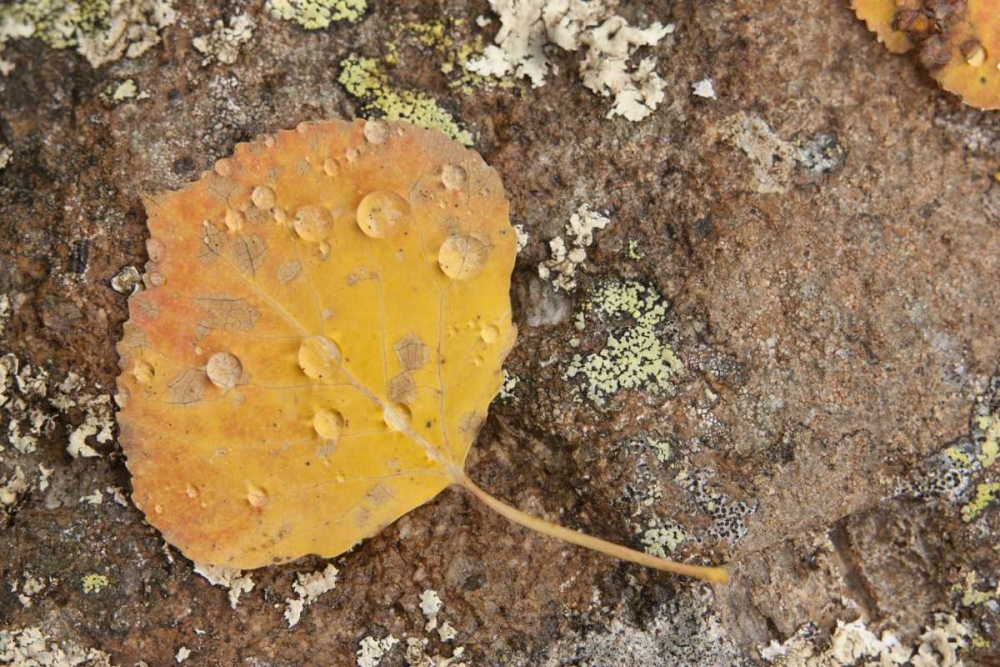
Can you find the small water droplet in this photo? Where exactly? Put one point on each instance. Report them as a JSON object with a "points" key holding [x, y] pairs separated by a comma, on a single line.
{"points": [[328, 424], [319, 357], [224, 167], [462, 256], [191, 491], [331, 167], [156, 279], [396, 417], [303, 127], [382, 213], [489, 334], [143, 371], [257, 496], [263, 197], [340, 479], [281, 216], [158, 509], [154, 247], [376, 131], [235, 220], [268, 141], [224, 370], [313, 223], [454, 177]]}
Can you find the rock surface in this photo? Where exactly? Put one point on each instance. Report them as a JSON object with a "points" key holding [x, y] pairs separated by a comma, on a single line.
{"points": [[799, 277]]}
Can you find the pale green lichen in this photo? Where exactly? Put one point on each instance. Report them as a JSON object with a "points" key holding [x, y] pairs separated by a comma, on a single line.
{"points": [[94, 583], [985, 495], [317, 14], [58, 23], [636, 357], [101, 30], [661, 448], [364, 79], [971, 595]]}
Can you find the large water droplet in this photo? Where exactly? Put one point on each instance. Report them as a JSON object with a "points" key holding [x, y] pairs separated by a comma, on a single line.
{"points": [[319, 357], [376, 131], [382, 213], [263, 197], [461, 257], [313, 223], [454, 177], [224, 370]]}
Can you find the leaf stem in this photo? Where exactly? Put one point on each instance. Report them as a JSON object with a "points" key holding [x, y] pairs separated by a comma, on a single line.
{"points": [[715, 575]]}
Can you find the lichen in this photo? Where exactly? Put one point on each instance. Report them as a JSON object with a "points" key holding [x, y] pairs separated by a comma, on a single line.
{"points": [[94, 583], [973, 596], [101, 30], [561, 267], [633, 357], [31, 647], [986, 493], [528, 27], [308, 587], [364, 79], [224, 42], [317, 14]]}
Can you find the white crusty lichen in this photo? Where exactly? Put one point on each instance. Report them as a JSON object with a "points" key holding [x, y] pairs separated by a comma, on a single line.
{"points": [[608, 41], [569, 252], [224, 42], [235, 581], [308, 587], [5, 157], [637, 356], [31, 647], [371, 650], [854, 644]]}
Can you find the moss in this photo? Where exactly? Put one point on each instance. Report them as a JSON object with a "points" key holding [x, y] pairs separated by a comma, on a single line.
{"points": [[636, 357], [364, 79], [317, 14], [985, 494]]}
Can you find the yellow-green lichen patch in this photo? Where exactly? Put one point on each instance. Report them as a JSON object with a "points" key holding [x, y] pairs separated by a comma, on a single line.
{"points": [[633, 357], [985, 495], [94, 583], [317, 14], [446, 38], [661, 541], [364, 79], [988, 427]]}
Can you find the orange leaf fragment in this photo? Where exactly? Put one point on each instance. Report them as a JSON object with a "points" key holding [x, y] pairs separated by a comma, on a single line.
{"points": [[880, 17], [323, 330]]}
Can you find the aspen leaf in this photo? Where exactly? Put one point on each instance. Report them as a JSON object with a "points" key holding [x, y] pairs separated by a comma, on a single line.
{"points": [[324, 325], [958, 41]]}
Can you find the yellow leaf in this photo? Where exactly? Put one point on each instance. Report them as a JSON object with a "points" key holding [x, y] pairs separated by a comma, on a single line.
{"points": [[323, 330], [879, 16]]}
